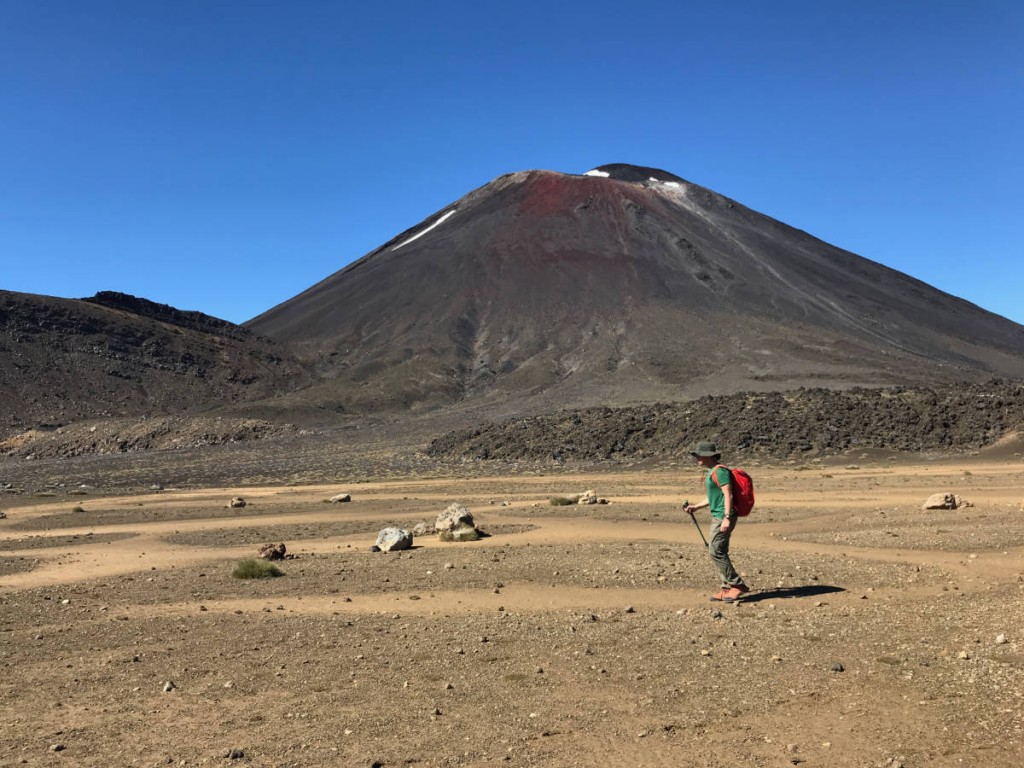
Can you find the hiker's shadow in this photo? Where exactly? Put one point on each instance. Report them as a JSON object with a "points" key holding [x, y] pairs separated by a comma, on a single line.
{"points": [[809, 590]]}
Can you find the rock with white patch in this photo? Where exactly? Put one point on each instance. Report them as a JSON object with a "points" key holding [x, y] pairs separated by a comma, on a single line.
{"points": [[393, 539]]}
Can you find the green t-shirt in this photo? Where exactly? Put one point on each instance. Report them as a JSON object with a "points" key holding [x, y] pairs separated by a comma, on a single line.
{"points": [[716, 499]]}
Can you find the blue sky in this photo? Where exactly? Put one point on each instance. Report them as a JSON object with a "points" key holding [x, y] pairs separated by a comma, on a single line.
{"points": [[224, 156]]}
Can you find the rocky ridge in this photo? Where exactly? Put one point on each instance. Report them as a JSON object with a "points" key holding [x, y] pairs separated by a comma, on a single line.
{"points": [[68, 360], [777, 425]]}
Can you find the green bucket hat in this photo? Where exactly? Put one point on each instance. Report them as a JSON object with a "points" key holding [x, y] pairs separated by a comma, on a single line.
{"points": [[704, 449]]}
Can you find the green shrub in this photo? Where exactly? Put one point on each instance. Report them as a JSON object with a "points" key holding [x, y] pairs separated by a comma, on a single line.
{"points": [[561, 501], [256, 569]]}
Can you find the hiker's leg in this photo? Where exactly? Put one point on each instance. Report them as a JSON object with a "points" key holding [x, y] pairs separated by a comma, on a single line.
{"points": [[719, 549]]}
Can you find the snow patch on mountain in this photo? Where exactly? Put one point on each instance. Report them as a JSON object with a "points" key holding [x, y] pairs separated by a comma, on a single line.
{"points": [[421, 234], [595, 172]]}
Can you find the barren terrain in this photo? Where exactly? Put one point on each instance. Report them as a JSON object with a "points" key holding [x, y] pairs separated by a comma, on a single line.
{"points": [[877, 634]]}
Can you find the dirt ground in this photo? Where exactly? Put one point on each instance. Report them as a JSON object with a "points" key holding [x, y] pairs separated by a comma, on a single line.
{"points": [[877, 634]]}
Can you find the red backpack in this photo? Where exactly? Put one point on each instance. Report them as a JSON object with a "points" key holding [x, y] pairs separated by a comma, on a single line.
{"points": [[742, 489]]}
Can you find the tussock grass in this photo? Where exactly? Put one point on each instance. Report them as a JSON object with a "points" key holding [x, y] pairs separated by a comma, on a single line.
{"points": [[561, 501], [256, 569]]}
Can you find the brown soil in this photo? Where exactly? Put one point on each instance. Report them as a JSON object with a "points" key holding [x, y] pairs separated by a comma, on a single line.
{"points": [[570, 637]]}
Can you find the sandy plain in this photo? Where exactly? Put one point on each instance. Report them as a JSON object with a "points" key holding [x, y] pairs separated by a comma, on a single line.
{"points": [[877, 634]]}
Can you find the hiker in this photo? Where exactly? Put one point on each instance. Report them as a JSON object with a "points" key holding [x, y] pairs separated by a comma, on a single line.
{"points": [[719, 486]]}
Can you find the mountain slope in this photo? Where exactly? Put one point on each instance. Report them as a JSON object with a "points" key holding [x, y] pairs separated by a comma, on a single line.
{"points": [[543, 289], [63, 360]]}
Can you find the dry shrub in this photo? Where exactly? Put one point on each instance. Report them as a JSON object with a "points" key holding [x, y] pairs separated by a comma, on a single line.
{"points": [[256, 569]]}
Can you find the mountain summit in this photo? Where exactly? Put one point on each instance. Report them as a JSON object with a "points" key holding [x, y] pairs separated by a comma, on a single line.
{"points": [[542, 290]]}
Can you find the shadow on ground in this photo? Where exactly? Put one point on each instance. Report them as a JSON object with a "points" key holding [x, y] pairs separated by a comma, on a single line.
{"points": [[810, 590]]}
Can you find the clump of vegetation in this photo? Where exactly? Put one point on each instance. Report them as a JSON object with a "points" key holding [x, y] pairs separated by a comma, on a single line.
{"points": [[78, 509], [561, 501], [256, 569]]}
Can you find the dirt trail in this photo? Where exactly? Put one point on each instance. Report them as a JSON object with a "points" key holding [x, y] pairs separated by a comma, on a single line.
{"points": [[574, 636], [148, 549]]}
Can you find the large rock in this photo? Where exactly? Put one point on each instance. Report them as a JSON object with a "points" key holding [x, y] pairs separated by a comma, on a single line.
{"points": [[236, 503], [455, 516], [945, 501], [456, 524], [273, 551], [393, 539], [340, 498]]}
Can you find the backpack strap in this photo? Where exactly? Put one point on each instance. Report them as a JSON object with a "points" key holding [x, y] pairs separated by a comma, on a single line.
{"points": [[714, 477]]}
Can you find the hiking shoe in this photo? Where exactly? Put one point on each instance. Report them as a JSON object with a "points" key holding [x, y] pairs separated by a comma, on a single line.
{"points": [[721, 595], [733, 593]]}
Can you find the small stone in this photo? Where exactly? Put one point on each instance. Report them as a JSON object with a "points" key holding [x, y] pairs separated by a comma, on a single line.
{"points": [[705, 652], [449, 687], [234, 754], [964, 655], [169, 686], [57, 747], [838, 667], [630, 609], [1001, 640]]}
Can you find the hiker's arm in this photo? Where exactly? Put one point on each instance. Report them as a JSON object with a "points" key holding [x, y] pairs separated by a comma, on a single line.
{"points": [[691, 508], [729, 515]]}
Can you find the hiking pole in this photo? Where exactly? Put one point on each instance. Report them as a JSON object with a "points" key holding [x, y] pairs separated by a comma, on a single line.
{"points": [[686, 504]]}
